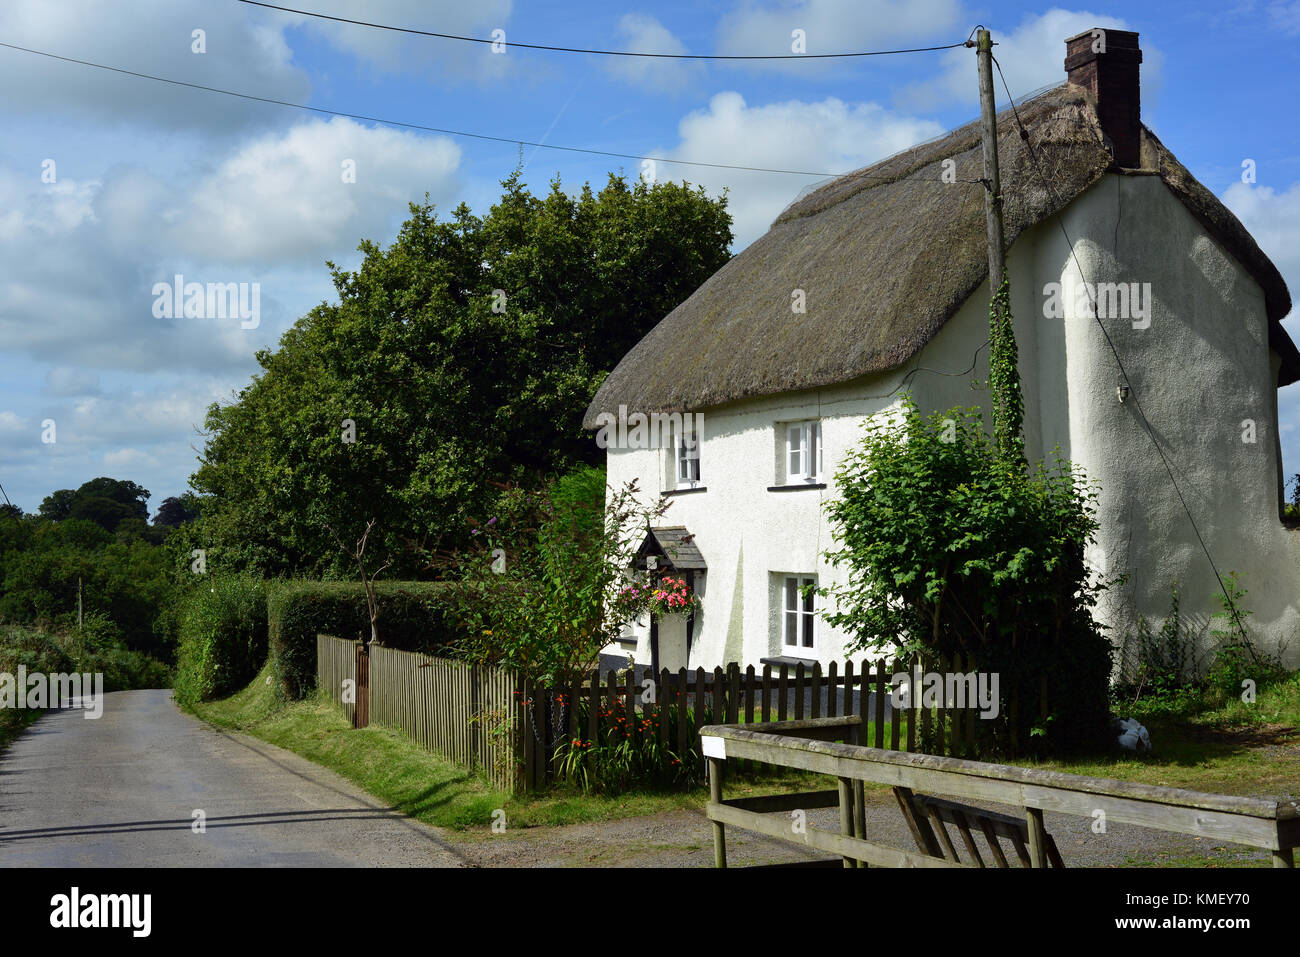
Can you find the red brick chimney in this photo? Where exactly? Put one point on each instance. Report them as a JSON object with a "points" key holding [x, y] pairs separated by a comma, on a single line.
{"points": [[1106, 64]]}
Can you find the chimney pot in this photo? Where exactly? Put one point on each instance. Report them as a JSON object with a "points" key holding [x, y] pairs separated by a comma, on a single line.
{"points": [[1106, 63]]}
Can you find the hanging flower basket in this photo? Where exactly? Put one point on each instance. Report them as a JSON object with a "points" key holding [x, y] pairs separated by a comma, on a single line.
{"points": [[672, 596]]}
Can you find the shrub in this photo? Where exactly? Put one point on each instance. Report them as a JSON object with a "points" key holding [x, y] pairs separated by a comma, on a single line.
{"points": [[100, 646], [1235, 659], [33, 648], [222, 638], [413, 616], [955, 548], [544, 586], [1157, 666], [623, 758]]}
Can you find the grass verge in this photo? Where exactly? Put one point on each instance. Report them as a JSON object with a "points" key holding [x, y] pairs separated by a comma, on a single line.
{"points": [[1210, 743], [428, 787]]}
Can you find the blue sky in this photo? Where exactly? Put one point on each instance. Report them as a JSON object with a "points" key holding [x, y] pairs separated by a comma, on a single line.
{"points": [[152, 180]]}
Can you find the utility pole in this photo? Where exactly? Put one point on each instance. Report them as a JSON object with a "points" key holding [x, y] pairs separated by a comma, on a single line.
{"points": [[81, 638], [1004, 362], [992, 179]]}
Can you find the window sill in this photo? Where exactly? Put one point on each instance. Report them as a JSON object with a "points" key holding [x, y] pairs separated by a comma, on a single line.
{"points": [[789, 660], [686, 491], [795, 488]]}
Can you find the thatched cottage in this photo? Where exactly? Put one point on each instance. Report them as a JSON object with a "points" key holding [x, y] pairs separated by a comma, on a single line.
{"points": [[878, 282]]}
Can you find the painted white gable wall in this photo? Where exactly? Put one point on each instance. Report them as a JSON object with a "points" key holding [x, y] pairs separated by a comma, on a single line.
{"points": [[1201, 368]]}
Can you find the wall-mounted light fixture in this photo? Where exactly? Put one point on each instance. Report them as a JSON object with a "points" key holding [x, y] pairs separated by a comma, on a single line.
{"points": [[1121, 391]]}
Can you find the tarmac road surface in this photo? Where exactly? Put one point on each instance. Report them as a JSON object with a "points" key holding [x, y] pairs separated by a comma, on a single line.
{"points": [[122, 791]]}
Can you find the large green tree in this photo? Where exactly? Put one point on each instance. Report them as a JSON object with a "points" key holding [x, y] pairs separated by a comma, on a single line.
{"points": [[457, 360], [105, 501]]}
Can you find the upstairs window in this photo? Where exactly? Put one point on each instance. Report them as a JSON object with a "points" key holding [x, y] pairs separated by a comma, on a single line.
{"points": [[686, 447], [803, 452]]}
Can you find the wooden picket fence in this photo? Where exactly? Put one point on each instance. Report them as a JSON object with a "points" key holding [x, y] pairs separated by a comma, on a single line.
{"points": [[552, 717], [486, 718]]}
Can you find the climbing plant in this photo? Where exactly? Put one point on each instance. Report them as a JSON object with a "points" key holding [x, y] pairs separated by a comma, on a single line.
{"points": [[1004, 379]]}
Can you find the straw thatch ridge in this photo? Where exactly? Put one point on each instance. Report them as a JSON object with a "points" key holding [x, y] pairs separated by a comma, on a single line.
{"points": [[885, 256]]}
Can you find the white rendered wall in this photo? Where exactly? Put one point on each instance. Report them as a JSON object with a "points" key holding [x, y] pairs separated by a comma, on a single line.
{"points": [[1200, 369]]}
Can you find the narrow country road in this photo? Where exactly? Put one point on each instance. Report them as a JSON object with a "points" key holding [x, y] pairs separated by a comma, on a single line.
{"points": [[123, 790]]}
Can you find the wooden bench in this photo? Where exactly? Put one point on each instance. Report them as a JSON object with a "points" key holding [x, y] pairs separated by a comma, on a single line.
{"points": [[829, 746]]}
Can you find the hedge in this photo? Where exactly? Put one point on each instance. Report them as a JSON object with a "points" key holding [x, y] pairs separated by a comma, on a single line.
{"points": [[413, 616], [222, 636]]}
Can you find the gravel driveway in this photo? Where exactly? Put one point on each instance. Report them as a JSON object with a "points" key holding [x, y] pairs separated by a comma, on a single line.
{"points": [[685, 839]]}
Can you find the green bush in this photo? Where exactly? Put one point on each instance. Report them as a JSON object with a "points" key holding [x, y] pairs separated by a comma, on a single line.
{"points": [[624, 758], [97, 647], [1235, 659], [222, 638], [1157, 666], [100, 646], [37, 651], [413, 616], [33, 648], [954, 548]]}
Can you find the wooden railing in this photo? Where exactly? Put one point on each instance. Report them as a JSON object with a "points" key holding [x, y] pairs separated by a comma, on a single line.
{"points": [[829, 746]]}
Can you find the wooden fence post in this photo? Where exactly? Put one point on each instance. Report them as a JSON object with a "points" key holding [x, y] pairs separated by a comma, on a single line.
{"points": [[679, 691], [881, 681], [662, 714], [895, 716]]}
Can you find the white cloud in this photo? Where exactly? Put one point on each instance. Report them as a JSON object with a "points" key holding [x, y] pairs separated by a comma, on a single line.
{"points": [[1032, 55], [129, 458], [828, 135], [1273, 218], [146, 434], [284, 197], [1285, 16], [390, 50], [244, 53], [83, 257], [835, 26], [67, 381], [11, 424], [136, 417], [644, 34]]}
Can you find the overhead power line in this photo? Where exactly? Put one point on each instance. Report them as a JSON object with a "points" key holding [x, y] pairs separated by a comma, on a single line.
{"points": [[410, 126], [559, 49], [514, 141]]}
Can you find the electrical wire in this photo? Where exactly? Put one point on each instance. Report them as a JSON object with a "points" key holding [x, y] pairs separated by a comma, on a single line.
{"points": [[559, 49], [402, 124], [1033, 156], [450, 132]]}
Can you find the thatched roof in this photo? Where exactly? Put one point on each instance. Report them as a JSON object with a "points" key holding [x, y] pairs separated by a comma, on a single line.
{"points": [[885, 256]]}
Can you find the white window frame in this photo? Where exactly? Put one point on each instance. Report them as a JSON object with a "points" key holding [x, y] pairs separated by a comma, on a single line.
{"points": [[686, 456], [803, 447], [802, 618]]}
